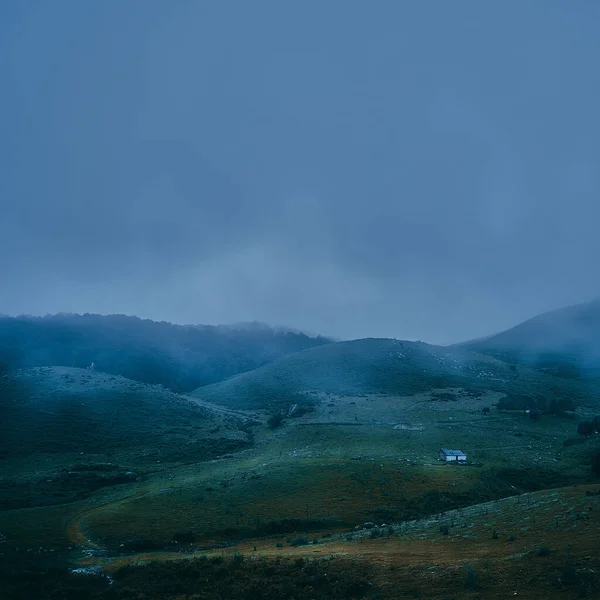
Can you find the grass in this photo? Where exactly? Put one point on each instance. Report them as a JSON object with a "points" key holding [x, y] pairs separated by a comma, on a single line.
{"points": [[389, 367], [302, 481], [462, 564], [304, 473], [108, 472], [62, 410]]}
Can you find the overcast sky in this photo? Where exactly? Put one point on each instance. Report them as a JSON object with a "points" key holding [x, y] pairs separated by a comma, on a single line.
{"points": [[419, 170]]}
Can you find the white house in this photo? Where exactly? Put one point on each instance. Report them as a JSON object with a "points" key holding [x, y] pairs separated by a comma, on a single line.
{"points": [[452, 455]]}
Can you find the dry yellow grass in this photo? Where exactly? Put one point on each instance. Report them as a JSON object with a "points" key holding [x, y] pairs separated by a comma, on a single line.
{"points": [[566, 521]]}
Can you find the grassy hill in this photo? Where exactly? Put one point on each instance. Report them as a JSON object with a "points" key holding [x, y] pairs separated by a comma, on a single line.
{"points": [[535, 545], [67, 410], [66, 432], [179, 357], [392, 367], [565, 342]]}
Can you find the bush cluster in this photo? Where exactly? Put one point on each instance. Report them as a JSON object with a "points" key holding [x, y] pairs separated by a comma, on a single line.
{"points": [[200, 579]]}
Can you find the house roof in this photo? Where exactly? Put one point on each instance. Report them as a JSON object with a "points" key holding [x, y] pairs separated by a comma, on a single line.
{"points": [[448, 452]]}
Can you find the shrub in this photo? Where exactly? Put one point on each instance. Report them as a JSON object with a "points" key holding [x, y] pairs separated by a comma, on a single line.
{"points": [[199, 578], [471, 582], [586, 428], [445, 529], [542, 551], [278, 545], [275, 420], [568, 575], [184, 537], [300, 541]]}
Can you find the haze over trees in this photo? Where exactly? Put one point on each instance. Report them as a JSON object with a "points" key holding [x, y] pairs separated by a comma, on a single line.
{"points": [[279, 449], [181, 358]]}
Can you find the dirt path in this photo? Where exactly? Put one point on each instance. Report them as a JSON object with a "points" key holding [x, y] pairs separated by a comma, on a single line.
{"points": [[74, 526], [546, 522]]}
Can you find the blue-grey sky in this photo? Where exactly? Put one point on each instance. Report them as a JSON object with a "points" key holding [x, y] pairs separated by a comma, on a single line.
{"points": [[420, 170]]}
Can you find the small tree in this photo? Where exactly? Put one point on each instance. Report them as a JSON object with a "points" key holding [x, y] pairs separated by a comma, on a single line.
{"points": [[300, 541], [275, 420], [586, 428]]}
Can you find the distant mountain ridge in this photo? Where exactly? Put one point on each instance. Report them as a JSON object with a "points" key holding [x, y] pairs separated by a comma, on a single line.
{"points": [[180, 357], [564, 342]]}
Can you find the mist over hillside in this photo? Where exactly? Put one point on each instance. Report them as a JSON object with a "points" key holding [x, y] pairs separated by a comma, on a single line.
{"points": [[180, 357], [392, 367], [63, 409], [565, 342]]}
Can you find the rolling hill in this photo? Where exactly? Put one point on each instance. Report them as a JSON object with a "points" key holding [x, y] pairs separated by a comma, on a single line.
{"points": [[181, 358], [58, 410], [565, 342], [392, 367]]}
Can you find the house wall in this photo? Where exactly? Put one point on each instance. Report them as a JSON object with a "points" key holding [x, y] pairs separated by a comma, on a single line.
{"points": [[448, 458], [453, 458]]}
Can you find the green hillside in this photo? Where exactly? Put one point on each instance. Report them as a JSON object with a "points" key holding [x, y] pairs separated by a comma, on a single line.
{"points": [[181, 358], [66, 410], [392, 367]]}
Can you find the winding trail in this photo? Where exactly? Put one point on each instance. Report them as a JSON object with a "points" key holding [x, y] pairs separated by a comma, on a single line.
{"points": [[74, 526]]}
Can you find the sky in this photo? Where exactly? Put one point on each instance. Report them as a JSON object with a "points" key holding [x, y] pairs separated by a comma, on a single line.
{"points": [[417, 170]]}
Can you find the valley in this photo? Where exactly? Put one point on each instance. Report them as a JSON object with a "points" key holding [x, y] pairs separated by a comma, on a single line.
{"points": [[326, 455], [353, 459]]}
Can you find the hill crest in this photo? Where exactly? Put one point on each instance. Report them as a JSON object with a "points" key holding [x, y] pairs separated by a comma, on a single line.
{"points": [[385, 366], [565, 341], [180, 357]]}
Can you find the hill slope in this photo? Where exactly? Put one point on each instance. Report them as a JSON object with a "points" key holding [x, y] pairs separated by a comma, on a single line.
{"points": [[67, 410], [565, 342], [181, 358], [389, 367]]}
